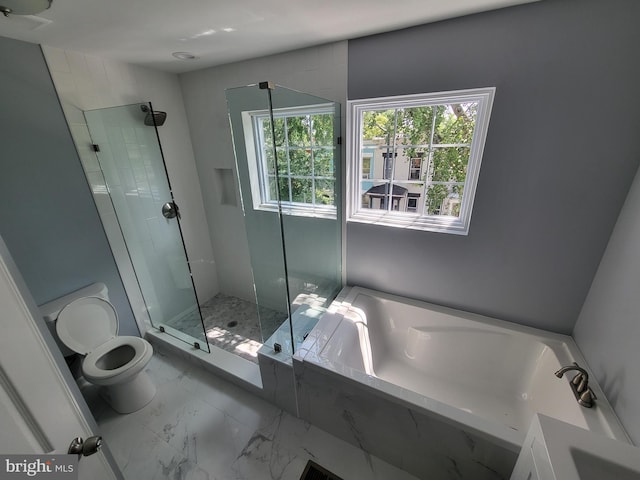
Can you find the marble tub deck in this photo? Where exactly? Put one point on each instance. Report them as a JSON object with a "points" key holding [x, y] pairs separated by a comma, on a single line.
{"points": [[200, 427]]}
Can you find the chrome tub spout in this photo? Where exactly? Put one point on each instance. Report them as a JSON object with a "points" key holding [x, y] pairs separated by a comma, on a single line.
{"points": [[579, 385]]}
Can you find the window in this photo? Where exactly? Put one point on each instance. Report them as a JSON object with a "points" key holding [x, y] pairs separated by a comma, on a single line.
{"points": [[366, 167], [427, 151], [300, 172], [412, 202], [415, 168]]}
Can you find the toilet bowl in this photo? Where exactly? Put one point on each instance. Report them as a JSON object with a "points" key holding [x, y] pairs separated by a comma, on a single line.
{"points": [[88, 325]]}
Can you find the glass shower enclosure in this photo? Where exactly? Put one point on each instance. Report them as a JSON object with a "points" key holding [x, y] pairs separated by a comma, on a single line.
{"points": [[129, 153], [289, 177], [288, 166]]}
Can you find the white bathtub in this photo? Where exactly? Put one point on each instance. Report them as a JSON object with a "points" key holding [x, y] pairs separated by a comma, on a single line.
{"points": [[486, 376]]}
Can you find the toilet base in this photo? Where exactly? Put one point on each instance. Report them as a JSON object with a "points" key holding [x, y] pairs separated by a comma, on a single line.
{"points": [[131, 395]]}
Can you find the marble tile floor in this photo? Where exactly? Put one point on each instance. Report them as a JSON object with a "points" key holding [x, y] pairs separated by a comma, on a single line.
{"points": [[232, 324], [200, 427]]}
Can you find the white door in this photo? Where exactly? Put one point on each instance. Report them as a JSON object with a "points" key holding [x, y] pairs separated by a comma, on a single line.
{"points": [[38, 412]]}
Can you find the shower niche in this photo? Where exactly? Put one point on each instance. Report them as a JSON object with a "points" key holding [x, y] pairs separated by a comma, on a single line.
{"points": [[288, 171]]}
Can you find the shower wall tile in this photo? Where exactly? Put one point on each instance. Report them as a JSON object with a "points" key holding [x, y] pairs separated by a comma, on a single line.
{"points": [[78, 66], [97, 73], [66, 88], [74, 115], [57, 59], [120, 77]]}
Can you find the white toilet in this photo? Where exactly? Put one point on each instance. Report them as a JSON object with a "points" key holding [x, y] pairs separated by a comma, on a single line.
{"points": [[86, 323]]}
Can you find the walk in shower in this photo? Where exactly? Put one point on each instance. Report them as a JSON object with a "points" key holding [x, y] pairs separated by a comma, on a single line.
{"points": [[288, 177]]}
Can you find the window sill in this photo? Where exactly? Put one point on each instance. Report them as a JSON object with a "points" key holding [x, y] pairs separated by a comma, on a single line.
{"points": [[299, 211], [437, 224]]}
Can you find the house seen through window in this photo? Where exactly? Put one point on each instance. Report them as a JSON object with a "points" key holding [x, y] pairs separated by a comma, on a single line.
{"points": [[415, 159]]}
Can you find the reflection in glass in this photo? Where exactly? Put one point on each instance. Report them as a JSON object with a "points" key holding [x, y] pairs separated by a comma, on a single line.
{"points": [[323, 162], [325, 192], [300, 162], [298, 130]]}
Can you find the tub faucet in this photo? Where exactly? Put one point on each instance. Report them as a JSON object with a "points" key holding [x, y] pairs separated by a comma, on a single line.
{"points": [[579, 385]]}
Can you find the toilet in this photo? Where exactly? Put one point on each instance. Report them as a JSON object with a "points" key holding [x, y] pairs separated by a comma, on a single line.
{"points": [[86, 323]]}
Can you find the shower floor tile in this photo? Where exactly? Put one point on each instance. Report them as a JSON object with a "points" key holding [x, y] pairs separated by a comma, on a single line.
{"points": [[232, 324], [200, 427]]}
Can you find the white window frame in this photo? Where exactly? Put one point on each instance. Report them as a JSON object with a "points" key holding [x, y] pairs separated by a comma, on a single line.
{"points": [[258, 173], [433, 223]]}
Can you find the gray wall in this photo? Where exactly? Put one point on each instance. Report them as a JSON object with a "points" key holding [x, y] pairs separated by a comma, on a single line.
{"points": [[608, 329], [49, 219], [560, 156]]}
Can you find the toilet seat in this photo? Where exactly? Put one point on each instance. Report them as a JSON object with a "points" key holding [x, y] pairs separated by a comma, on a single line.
{"points": [[99, 376], [89, 326], [86, 323]]}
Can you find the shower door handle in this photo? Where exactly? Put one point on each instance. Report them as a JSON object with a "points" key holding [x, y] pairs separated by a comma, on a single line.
{"points": [[170, 210]]}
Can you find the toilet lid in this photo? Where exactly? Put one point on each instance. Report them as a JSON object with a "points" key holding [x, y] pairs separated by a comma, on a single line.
{"points": [[87, 323]]}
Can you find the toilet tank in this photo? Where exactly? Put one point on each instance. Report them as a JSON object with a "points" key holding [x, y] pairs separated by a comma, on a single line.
{"points": [[51, 310]]}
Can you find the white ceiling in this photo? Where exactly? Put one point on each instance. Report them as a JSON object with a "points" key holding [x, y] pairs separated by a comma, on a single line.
{"points": [[146, 32]]}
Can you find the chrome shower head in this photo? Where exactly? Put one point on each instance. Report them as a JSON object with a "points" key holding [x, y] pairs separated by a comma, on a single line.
{"points": [[153, 118]]}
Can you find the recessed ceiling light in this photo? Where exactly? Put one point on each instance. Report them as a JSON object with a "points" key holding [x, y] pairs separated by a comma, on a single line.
{"points": [[228, 29], [184, 55], [204, 33]]}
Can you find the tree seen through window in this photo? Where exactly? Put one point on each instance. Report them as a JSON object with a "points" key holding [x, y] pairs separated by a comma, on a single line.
{"points": [[301, 170], [431, 149]]}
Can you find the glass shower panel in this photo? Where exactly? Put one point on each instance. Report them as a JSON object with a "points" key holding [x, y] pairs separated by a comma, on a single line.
{"points": [[249, 115], [310, 186], [288, 163], [130, 156]]}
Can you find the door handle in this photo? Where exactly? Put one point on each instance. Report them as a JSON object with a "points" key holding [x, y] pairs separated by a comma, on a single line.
{"points": [[170, 210], [85, 447]]}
